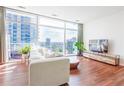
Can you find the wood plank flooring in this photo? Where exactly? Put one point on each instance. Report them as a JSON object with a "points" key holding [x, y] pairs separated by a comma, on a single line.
{"points": [[89, 72]]}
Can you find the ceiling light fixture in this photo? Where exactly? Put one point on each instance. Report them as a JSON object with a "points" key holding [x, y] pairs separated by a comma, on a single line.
{"points": [[77, 20], [54, 15]]}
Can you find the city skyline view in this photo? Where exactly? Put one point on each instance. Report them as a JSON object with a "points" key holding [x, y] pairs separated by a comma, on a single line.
{"points": [[57, 35], [23, 30]]}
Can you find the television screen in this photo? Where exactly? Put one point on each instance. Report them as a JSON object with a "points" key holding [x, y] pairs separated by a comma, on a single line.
{"points": [[100, 45]]}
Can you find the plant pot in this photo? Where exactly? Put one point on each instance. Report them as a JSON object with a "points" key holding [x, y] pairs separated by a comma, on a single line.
{"points": [[25, 56], [80, 53]]}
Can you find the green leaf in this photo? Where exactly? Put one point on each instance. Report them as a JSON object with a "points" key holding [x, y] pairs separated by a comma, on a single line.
{"points": [[25, 50], [80, 46]]}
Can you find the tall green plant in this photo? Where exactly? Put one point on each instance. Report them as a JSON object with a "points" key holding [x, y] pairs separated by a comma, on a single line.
{"points": [[80, 46], [25, 50]]}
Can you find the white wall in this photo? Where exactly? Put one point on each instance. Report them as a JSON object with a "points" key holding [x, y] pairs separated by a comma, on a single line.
{"points": [[109, 27]]}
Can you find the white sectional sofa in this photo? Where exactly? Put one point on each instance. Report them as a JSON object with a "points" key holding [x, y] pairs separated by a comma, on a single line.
{"points": [[49, 72], [43, 53]]}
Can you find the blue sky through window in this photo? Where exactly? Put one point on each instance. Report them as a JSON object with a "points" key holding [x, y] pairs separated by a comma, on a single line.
{"points": [[56, 35]]}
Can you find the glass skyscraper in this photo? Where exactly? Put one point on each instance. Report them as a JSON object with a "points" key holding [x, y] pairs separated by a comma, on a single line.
{"points": [[20, 32]]}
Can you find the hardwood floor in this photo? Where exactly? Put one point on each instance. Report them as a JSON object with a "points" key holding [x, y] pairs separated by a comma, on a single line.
{"points": [[89, 72], [13, 74], [96, 73]]}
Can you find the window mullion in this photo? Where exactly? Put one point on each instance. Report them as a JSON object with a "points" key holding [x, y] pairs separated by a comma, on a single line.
{"points": [[64, 38]]}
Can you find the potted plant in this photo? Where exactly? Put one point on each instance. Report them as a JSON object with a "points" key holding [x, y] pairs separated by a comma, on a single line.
{"points": [[80, 47], [25, 52]]}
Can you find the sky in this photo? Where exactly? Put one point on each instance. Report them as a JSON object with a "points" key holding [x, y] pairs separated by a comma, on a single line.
{"points": [[56, 35]]}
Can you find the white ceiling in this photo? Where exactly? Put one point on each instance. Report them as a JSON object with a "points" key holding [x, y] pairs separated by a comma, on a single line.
{"points": [[73, 13]]}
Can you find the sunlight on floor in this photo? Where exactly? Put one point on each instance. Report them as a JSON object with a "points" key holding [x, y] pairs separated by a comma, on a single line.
{"points": [[9, 68], [7, 72], [8, 64]]}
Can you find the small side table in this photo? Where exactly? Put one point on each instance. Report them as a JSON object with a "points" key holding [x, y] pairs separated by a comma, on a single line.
{"points": [[74, 65]]}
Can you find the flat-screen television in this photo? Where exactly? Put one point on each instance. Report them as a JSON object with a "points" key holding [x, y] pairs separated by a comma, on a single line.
{"points": [[98, 45]]}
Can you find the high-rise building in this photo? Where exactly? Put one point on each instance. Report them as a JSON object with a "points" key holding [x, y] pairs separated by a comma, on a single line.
{"points": [[70, 45], [47, 44], [20, 32]]}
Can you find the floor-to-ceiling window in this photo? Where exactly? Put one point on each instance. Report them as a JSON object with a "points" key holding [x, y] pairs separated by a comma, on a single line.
{"points": [[51, 35], [52, 39], [20, 31], [55, 35], [71, 38]]}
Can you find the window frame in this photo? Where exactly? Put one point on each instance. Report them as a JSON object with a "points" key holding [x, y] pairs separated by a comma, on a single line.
{"points": [[17, 13], [37, 25]]}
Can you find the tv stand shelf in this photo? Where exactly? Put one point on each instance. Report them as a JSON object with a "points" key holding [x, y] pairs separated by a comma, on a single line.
{"points": [[103, 57]]}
